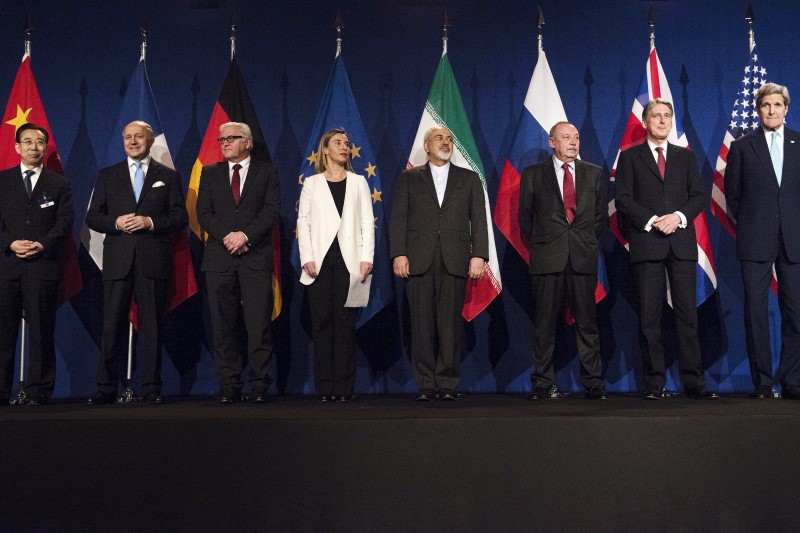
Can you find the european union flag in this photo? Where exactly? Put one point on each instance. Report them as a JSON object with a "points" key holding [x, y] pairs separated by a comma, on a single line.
{"points": [[338, 110]]}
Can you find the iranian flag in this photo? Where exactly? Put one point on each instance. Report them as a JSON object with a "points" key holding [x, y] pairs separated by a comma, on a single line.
{"points": [[444, 108]]}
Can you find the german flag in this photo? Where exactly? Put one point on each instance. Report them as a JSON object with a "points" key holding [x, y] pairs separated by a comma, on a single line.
{"points": [[234, 105]]}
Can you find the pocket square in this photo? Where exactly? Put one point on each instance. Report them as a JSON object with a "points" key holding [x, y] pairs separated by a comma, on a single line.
{"points": [[158, 184]]}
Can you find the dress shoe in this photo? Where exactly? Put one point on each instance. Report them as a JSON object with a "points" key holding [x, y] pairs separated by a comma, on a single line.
{"points": [[447, 395], [701, 393], [791, 393], [102, 398], [545, 392], [763, 393], [596, 392], [654, 393], [230, 398], [154, 398], [324, 398], [39, 399], [344, 398], [425, 396], [259, 397]]}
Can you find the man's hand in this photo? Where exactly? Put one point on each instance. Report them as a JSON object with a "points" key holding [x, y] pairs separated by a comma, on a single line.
{"points": [[236, 243], [476, 266], [400, 266], [310, 269], [131, 223], [366, 269], [25, 249], [667, 224]]}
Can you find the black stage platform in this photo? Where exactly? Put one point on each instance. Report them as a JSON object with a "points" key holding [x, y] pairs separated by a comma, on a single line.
{"points": [[488, 463]]}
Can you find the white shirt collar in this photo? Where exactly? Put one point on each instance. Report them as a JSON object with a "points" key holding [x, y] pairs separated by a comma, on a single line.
{"points": [[244, 162], [37, 170], [439, 171], [145, 162]]}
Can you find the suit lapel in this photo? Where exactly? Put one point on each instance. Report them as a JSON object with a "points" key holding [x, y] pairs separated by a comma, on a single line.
{"points": [[761, 148], [581, 187], [552, 181], [427, 182], [153, 170], [650, 161], [40, 183], [252, 172]]}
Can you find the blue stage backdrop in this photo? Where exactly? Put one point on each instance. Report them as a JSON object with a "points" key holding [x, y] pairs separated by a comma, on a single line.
{"points": [[83, 53]]}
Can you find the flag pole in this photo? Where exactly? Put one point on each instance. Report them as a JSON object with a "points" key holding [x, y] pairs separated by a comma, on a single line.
{"points": [[445, 27], [21, 396], [539, 24], [651, 21], [750, 17], [233, 36], [128, 395], [339, 27]]}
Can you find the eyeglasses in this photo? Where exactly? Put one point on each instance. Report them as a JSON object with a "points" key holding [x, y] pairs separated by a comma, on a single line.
{"points": [[229, 139], [27, 143]]}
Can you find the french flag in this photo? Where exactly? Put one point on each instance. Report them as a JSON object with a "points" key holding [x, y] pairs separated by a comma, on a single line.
{"points": [[654, 85], [541, 110]]}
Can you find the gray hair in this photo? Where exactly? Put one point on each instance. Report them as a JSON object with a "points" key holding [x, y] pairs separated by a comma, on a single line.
{"points": [[428, 133], [652, 103], [772, 88], [557, 124], [246, 133]]}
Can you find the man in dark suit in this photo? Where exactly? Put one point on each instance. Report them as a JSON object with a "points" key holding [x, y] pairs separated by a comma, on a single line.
{"points": [[659, 194], [36, 215], [237, 205], [762, 189], [138, 203], [562, 210], [438, 238]]}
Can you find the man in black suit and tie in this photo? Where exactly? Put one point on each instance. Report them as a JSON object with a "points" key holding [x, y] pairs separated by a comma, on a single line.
{"points": [[562, 210], [237, 205], [138, 204], [659, 194], [36, 216], [438, 238], [762, 189]]}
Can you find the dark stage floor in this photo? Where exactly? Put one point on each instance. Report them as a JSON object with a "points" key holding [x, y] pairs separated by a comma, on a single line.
{"points": [[386, 463]]}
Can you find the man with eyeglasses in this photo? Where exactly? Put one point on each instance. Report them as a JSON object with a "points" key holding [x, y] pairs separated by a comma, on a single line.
{"points": [[138, 204], [659, 194], [36, 215], [237, 205]]}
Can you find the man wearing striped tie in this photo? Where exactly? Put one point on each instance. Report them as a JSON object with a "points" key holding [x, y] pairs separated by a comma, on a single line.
{"points": [[762, 190]]}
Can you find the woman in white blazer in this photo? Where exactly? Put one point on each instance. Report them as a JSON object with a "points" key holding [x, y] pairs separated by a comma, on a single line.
{"points": [[336, 237]]}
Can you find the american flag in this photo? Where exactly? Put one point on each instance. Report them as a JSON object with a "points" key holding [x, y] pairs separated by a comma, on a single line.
{"points": [[744, 119], [654, 85]]}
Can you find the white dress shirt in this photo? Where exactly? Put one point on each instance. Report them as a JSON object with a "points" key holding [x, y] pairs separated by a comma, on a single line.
{"points": [[440, 179]]}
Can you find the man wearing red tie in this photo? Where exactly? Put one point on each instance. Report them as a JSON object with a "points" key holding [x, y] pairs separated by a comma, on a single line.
{"points": [[659, 194], [562, 210]]}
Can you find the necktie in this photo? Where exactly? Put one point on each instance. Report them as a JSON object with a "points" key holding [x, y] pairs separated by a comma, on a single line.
{"points": [[28, 182], [236, 183], [569, 194], [662, 163], [775, 154], [138, 179]]}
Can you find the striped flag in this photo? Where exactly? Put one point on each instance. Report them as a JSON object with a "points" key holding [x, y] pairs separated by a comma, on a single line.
{"points": [[25, 105], [654, 85], [542, 109], [445, 108], [139, 104], [234, 105], [338, 109], [744, 119]]}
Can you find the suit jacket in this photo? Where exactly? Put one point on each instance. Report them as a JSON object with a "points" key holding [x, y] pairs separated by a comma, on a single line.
{"points": [[257, 212], [417, 221], [641, 194], [161, 200], [551, 239], [318, 223], [46, 217], [764, 212]]}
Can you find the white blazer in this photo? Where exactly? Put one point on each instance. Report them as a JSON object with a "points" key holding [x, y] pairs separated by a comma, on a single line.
{"points": [[318, 222]]}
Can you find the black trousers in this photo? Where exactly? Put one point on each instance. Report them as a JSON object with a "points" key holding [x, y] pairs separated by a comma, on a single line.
{"points": [[652, 288], [334, 327], [241, 292], [436, 298], [548, 294], [151, 300], [39, 300], [757, 277]]}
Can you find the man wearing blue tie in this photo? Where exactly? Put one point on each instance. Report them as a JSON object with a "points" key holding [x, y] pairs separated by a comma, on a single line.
{"points": [[138, 204], [762, 190]]}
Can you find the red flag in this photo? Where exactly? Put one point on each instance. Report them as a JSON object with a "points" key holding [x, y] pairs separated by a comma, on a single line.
{"points": [[25, 106]]}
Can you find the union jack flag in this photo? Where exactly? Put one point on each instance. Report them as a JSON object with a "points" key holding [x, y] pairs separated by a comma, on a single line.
{"points": [[654, 85]]}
